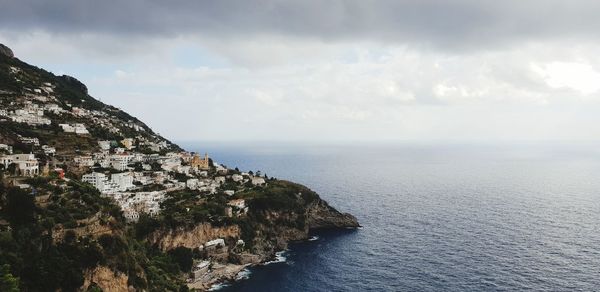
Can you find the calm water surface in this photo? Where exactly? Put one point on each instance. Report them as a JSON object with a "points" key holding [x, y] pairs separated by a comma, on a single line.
{"points": [[437, 218]]}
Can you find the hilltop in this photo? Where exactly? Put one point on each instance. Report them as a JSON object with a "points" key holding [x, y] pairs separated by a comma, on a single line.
{"points": [[92, 199]]}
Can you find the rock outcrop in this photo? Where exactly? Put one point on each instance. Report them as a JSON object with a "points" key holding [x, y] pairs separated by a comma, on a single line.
{"points": [[4, 50], [322, 216], [192, 238], [106, 279]]}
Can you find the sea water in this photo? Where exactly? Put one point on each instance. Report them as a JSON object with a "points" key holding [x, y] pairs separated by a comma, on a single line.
{"points": [[436, 217]]}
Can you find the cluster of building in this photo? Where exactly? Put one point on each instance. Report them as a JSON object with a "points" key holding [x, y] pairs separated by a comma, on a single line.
{"points": [[76, 128], [136, 171], [134, 204], [126, 176], [31, 107], [116, 182], [31, 114]]}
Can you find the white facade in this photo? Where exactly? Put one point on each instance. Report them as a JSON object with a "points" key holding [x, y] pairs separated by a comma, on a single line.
{"points": [[239, 203], [98, 180], [31, 114], [192, 183], [27, 140], [215, 243], [79, 129], [131, 215], [27, 164], [258, 181], [84, 161], [104, 145], [48, 150], [123, 181], [120, 161]]}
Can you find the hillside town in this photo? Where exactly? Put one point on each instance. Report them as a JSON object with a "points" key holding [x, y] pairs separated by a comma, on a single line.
{"points": [[92, 199], [137, 171]]}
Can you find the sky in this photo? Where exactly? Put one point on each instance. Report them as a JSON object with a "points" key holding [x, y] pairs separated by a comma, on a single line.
{"points": [[328, 70]]}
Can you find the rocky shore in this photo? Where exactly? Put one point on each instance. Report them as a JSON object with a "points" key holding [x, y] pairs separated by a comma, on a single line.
{"points": [[318, 216]]}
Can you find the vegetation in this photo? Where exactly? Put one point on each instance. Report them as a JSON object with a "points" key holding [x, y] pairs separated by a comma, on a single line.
{"points": [[8, 282], [36, 256], [53, 232], [279, 195]]}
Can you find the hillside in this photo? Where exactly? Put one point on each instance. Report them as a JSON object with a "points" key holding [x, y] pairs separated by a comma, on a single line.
{"points": [[91, 199]]}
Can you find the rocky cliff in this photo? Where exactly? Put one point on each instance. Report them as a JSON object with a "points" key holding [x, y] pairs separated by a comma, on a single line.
{"points": [[168, 239], [322, 216]]}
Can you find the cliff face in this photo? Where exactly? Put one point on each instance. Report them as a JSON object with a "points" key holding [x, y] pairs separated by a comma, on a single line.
{"points": [[106, 279], [322, 216], [168, 239], [270, 231]]}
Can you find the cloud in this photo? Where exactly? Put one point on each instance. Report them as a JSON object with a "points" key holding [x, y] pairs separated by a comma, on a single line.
{"points": [[322, 70], [577, 76], [451, 24], [396, 93]]}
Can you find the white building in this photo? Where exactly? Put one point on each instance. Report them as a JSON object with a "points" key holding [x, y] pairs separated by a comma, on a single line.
{"points": [[27, 140], [192, 183], [219, 242], [78, 129], [54, 108], [141, 178], [98, 180], [258, 181], [120, 161], [239, 203], [84, 161], [104, 145], [131, 215], [31, 114], [237, 178], [67, 128], [27, 164], [123, 181], [48, 150]]}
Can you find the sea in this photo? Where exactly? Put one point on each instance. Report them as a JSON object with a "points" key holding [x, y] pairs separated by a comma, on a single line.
{"points": [[435, 216]]}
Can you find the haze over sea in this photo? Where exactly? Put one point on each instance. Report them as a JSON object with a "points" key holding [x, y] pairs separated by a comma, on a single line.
{"points": [[437, 218]]}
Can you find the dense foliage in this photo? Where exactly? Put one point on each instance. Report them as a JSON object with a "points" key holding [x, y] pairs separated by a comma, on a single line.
{"points": [[42, 247]]}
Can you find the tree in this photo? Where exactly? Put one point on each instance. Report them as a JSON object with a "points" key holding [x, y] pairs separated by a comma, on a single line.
{"points": [[183, 257], [145, 225], [20, 206], [12, 169], [8, 282]]}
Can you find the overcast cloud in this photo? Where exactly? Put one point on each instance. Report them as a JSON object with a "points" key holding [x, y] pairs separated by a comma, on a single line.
{"points": [[328, 70]]}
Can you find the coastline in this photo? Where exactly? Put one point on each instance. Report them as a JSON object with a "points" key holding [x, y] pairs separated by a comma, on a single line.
{"points": [[222, 274]]}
